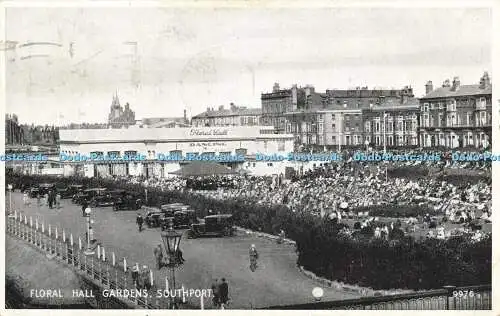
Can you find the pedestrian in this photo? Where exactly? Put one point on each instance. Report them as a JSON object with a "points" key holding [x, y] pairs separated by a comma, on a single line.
{"points": [[158, 253], [58, 200], [135, 275], [145, 278], [180, 258], [224, 292], [25, 198], [139, 221], [216, 295], [84, 206]]}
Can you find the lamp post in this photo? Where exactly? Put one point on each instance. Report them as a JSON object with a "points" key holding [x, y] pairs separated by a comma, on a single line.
{"points": [[89, 250], [171, 240], [9, 187]]}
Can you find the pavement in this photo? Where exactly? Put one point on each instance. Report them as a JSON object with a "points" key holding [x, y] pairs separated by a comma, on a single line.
{"points": [[277, 280]]}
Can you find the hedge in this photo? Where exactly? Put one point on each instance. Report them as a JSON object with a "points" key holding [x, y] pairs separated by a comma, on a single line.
{"points": [[322, 248]]}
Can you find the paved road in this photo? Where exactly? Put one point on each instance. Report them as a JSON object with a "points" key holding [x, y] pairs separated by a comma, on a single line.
{"points": [[277, 281]]}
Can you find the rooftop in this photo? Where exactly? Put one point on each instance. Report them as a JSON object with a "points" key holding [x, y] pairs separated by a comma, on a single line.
{"points": [[235, 111], [463, 90]]}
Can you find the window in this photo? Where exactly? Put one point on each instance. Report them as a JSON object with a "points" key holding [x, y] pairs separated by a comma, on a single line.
{"points": [[432, 106], [426, 107], [333, 126], [377, 127], [334, 139], [440, 105], [367, 126]]}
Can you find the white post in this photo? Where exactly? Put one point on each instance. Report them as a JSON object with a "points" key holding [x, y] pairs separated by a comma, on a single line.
{"points": [[71, 239], [43, 227], [151, 276], [114, 259], [166, 284], [36, 223], [56, 233], [124, 265], [31, 222], [50, 228], [103, 254], [183, 296], [15, 214], [79, 243], [64, 236], [202, 302], [25, 219], [98, 251]]}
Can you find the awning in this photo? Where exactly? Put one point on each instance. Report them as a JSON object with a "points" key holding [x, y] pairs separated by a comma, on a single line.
{"points": [[203, 168]]}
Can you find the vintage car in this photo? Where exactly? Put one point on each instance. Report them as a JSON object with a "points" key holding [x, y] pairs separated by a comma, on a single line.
{"points": [[127, 201], [45, 188], [180, 219], [33, 192], [70, 190], [213, 225], [88, 195], [155, 219]]}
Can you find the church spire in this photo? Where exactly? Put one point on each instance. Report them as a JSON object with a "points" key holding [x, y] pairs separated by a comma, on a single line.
{"points": [[116, 101]]}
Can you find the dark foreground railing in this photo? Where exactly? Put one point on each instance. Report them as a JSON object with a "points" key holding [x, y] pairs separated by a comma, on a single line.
{"points": [[449, 298]]}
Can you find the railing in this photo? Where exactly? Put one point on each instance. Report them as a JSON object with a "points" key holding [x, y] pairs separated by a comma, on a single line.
{"points": [[449, 298], [101, 270]]}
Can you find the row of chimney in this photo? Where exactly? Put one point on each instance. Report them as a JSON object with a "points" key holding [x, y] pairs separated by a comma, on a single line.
{"points": [[484, 82], [221, 107]]}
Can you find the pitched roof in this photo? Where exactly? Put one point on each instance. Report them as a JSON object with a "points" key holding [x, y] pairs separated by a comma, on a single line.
{"points": [[463, 90], [228, 112]]}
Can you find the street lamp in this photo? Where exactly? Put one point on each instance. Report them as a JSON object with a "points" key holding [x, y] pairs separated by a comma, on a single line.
{"points": [[171, 240], [89, 250]]}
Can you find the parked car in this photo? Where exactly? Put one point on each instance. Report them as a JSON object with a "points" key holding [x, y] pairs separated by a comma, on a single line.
{"points": [[71, 190], [155, 219], [127, 201], [180, 219], [88, 195], [44, 188], [213, 225], [33, 192]]}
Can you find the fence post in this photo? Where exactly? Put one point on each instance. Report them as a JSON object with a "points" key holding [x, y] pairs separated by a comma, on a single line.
{"points": [[72, 249], [449, 294], [113, 259], [79, 243], [103, 254], [64, 236], [98, 252]]}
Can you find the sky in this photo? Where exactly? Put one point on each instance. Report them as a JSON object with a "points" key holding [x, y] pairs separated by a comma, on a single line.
{"points": [[197, 58]]}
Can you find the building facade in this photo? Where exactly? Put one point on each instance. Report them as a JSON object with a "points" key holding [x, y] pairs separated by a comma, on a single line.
{"points": [[247, 141], [280, 101], [14, 133], [120, 117], [456, 115], [392, 124], [234, 116]]}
